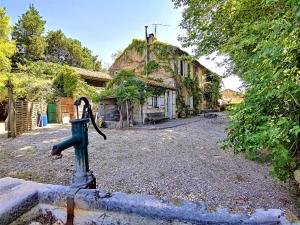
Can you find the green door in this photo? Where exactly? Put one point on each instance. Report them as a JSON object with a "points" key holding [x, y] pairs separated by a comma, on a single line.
{"points": [[52, 112]]}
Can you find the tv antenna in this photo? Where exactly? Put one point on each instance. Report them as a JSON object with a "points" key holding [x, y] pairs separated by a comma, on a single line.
{"points": [[155, 25]]}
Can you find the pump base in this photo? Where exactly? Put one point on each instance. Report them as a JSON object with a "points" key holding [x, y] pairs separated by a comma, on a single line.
{"points": [[83, 181]]}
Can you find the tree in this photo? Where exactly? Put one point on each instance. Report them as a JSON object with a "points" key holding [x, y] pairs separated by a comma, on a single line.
{"points": [[42, 80], [70, 51], [7, 49], [57, 47], [65, 83], [262, 40], [125, 87], [28, 33]]}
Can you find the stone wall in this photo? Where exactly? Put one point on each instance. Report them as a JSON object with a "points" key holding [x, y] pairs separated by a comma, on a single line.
{"points": [[22, 201]]}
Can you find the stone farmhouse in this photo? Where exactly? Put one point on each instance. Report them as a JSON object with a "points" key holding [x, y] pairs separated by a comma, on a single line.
{"points": [[165, 65]]}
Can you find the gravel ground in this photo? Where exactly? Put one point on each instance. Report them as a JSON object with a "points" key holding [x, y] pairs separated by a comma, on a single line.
{"points": [[183, 162]]}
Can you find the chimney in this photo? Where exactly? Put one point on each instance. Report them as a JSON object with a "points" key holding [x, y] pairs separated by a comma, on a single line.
{"points": [[146, 33], [151, 38]]}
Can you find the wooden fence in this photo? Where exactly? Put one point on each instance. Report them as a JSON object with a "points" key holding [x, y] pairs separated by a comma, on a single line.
{"points": [[27, 115]]}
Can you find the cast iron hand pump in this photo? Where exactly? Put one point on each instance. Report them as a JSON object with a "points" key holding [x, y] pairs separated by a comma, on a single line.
{"points": [[82, 177]]}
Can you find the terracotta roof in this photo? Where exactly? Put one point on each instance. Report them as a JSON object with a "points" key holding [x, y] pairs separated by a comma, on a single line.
{"points": [[92, 75], [156, 83]]}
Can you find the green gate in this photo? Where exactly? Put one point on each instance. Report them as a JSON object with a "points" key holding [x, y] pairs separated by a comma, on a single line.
{"points": [[52, 112]]}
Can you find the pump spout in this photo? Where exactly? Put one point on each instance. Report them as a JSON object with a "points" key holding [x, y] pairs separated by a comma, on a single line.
{"points": [[57, 149]]}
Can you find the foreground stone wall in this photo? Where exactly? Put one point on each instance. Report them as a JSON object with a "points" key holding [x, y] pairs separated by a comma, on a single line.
{"points": [[96, 207]]}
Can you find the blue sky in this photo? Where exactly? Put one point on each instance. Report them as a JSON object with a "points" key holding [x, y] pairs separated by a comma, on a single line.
{"points": [[108, 26], [103, 26]]}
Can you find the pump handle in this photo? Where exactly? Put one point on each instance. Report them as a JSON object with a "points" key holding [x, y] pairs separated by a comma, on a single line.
{"points": [[87, 112]]}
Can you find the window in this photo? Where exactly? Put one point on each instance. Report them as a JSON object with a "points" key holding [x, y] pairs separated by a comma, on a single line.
{"points": [[181, 68], [189, 70], [155, 102], [150, 102]]}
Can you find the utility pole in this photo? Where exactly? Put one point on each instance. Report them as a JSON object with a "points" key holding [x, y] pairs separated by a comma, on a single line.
{"points": [[157, 25]]}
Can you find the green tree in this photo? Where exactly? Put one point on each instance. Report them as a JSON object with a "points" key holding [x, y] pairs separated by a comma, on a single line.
{"points": [[65, 83], [28, 33], [127, 88], [262, 39], [33, 81], [57, 47], [42, 80], [7, 47], [70, 51], [41, 69]]}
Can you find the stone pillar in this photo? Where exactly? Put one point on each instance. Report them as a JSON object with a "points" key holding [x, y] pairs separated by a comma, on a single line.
{"points": [[11, 111]]}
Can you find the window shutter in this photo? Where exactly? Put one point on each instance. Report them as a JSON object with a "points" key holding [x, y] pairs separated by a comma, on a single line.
{"points": [[162, 101], [158, 101], [149, 102], [174, 97], [185, 68], [191, 102]]}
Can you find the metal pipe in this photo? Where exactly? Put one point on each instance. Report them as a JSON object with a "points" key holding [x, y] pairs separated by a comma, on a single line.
{"points": [[57, 149]]}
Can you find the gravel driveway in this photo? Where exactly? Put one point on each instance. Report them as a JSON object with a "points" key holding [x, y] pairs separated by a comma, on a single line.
{"points": [[183, 162]]}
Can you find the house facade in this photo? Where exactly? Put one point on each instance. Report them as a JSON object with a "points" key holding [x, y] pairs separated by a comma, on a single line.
{"points": [[156, 108], [169, 65]]}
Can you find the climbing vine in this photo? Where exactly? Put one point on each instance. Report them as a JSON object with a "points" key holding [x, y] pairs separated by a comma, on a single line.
{"points": [[164, 50], [150, 67], [137, 44], [212, 88], [126, 86], [192, 86]]}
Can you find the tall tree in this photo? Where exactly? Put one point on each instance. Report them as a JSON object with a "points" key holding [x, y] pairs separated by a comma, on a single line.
{"points": [[28, 33], [262, 39], [70, 51], [57, 47], [7, 47]]}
